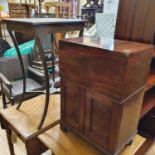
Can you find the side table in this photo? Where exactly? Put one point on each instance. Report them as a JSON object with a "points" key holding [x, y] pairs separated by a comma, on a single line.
{"points": [[41, 28]]}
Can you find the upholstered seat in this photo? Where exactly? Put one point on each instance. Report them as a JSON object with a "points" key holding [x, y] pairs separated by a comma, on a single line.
{"points": [[12, 82], [31, 85]]}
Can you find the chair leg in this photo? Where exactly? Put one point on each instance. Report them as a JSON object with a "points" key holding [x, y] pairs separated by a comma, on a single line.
{"points": [[35, 147], [4, 101], [63, 127], [11, 147], [12, 102]]}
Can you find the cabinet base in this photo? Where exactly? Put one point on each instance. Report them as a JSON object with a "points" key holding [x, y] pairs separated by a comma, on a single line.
{"points": [[65, 127]]}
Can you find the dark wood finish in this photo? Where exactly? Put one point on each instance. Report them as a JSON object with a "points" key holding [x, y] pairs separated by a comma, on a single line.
{"points": [[21, 38], [114, 75], [148, 102], [102, 117], [151, 80], [101, 89], [146, 125], [1, 33], [136, 22], [44, 25], [73, 114], [8, 134]]}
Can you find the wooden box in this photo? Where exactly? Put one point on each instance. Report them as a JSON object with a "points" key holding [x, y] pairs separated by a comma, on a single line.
{"points": [[103, 84]]}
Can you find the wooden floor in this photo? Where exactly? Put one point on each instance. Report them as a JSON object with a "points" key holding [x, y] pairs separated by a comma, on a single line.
{"points": [[20, 150]]}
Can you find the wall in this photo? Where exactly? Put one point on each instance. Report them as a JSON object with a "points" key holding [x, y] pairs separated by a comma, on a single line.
{"points": [[83, 2], [4, 3], [111, 6]]}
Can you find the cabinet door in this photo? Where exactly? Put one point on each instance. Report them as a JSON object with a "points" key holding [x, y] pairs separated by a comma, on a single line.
{"points": [[72, 105], [102, 120]]}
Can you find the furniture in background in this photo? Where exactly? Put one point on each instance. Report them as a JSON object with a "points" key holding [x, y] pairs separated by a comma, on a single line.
{"points": [[1, 35], [94, 3], [90, 9], [2, 26], [102, 100], [21, 10], [4, 47], [40, 5], [62, 9], [136, 22], [12, 83], [2, 29], [90, 13], [1, 8], [146, 124]]}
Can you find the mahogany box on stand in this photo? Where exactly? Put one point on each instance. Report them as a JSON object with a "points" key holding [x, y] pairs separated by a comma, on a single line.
{"points": [[103, 83]]}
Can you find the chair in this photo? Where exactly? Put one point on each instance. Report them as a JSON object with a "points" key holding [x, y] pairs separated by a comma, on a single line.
{"points": [[4, 45], [35, 78], [12, 83], [62, 9], [23, 123]]}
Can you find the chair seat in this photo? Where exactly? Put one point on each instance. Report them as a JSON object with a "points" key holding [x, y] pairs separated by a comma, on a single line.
{"points": [[31, 85], [25, 120]]}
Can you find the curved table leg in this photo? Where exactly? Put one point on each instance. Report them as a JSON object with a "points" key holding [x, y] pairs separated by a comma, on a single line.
{"points": [[22, 67], [40, 43]]}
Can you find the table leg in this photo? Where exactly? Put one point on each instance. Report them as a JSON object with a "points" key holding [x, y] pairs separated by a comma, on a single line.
{"points": [[22, 67], [81, 32], [1, 35], [40, 39], [4, 101], [9, 134]]}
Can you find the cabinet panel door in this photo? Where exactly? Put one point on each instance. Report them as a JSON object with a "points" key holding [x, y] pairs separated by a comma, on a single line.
{"points": [[72, 105], [102, 120]]}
